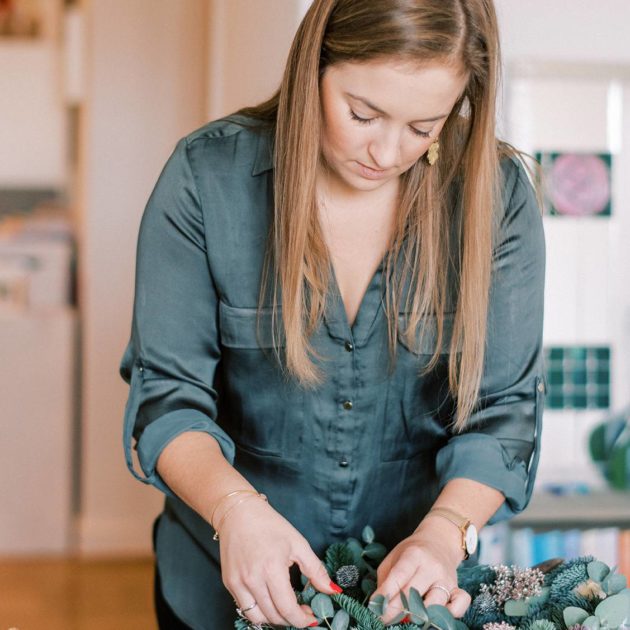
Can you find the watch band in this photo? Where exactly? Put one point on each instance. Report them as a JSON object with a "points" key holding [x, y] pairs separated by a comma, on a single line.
{"points": [[460, 521]]}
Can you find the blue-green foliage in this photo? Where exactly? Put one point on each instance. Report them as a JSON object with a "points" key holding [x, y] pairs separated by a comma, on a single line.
{"points": [[563, 579], [471, 578], [541, 613], [337, 556]]}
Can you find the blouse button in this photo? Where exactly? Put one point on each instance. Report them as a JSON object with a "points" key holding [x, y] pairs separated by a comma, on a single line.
{"points": [[348, 346], [343, 462], [541, 387], [347, 404]]}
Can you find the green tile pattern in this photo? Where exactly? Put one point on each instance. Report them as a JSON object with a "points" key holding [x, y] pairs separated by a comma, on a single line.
{"points": [[578, 377]]}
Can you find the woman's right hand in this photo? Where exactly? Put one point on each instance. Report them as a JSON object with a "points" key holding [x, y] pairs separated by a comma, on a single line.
{"points": [[258, 546]]}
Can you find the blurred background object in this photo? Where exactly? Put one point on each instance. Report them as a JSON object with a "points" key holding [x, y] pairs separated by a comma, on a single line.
{"points": [[94, 95]]}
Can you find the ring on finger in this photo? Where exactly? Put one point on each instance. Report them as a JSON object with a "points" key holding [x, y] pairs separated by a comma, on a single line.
{"points": [[448, 591], [241, 611]]}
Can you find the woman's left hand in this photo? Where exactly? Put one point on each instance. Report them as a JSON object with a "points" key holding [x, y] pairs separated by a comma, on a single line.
{"points": [[423, 560]]}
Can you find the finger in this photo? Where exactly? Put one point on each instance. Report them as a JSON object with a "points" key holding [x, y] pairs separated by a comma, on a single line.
{"points": [[244, 599], [460, 602], [399, 575], [393, 611], [419, 581], [394, 607], [436, 595], [285, 600], [313, 568], [309, 613], [265, 611]]}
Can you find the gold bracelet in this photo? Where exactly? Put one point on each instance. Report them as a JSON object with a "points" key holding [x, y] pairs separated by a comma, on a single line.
{"points": [[225, 496], [216, 529]]}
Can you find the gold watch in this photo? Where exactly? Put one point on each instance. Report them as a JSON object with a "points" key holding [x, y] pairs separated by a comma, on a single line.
{"points": [[470, 536]]}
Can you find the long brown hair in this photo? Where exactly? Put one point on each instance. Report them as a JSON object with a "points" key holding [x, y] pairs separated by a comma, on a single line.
{"points": [[460, 32]]}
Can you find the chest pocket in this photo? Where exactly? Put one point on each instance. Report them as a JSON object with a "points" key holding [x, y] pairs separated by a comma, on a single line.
{"points": [[417, 408], [264, 408]]}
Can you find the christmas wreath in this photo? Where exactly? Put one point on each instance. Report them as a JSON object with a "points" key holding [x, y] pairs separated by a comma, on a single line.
{"points": [[578, 594]]}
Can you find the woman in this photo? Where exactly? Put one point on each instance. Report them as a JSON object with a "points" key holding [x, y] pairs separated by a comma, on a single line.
{"points": [[338, 321]]}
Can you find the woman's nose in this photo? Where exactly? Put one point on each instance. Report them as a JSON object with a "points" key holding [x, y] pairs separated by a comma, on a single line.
{"points": [[384, 149]]}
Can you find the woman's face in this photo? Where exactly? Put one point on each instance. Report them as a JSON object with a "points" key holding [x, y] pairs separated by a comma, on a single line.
{"points": [[380, 117]]}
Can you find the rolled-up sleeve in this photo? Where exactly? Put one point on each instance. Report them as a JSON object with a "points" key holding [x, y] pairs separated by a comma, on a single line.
{"points": [[173, 351], [500, 446]]}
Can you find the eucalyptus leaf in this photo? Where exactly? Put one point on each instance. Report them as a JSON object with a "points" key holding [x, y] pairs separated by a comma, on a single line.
{"points": [[460, 625], [591, 622], [303, 579], [419, 612], [613, 583], [368, 586], [404, 601], [516, 608], [367, 534], [340, 621], [356, 549], [573, 615], [308, 593], [541, 598], [597, 570], [375, 551], [614, 610], [441, 617], [377, 604], [322, 606]]}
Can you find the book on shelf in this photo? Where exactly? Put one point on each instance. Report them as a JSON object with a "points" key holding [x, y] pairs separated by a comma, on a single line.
{"points": [[526, 547]]}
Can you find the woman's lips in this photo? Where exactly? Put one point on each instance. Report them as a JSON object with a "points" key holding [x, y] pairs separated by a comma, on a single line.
{"points": [[371, 173]]}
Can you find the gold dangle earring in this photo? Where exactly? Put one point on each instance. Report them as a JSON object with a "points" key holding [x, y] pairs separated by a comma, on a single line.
{"points": [[433, 152]]}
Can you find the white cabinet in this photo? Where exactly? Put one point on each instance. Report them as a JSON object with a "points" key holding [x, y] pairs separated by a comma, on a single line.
{"points": [[37, 375]]}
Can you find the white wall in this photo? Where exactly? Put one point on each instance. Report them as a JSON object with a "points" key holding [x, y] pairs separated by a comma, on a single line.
{"points": [[247, 50], [565, 30], [32, 122], [568, 88], [145, 69]]}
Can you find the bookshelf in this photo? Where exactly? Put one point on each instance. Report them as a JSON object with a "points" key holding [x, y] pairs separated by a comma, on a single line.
{"points": [[600, 508], [567, 526]]}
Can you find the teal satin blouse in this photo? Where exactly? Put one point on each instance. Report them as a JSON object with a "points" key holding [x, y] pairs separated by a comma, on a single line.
{"points": [[363, 448]]}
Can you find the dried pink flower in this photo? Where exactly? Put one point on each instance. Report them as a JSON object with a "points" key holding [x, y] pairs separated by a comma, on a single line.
{"points": [[498, 626], [513, 583]]}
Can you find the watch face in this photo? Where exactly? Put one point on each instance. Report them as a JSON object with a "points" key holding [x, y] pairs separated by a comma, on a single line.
{"points": [[471, 538]]}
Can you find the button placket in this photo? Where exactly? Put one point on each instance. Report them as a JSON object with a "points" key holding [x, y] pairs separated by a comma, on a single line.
{"points": [[341, 482]]}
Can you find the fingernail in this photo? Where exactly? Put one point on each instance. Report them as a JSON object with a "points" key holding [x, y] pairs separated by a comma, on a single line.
{"points": [[315, 623], [335, 587], [406, 619]]}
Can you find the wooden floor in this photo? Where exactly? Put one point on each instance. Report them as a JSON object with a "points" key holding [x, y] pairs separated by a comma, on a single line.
{"points": [[76, 595]]}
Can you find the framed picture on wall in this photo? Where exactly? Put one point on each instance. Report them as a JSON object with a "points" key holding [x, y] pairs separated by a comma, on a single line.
{"points": [[576, 184]]}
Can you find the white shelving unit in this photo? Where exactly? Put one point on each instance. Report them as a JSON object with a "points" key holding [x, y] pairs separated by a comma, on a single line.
{"points": [[602, 508]]}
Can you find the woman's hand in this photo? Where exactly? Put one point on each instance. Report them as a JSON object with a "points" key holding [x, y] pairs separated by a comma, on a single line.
{"points": [[257, 547], [424, 559]]}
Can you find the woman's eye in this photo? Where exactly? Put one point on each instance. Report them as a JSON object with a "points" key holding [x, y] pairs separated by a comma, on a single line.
{"points": [[368, 121], [362, 121], [419, 132]]}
